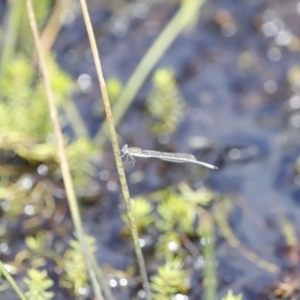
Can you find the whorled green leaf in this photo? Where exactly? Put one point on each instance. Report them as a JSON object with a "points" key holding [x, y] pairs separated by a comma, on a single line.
{"points": [[38, 283], [170, 279]]}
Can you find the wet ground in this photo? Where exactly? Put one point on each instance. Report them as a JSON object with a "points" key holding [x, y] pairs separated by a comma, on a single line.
{"points": [[236, 70]]}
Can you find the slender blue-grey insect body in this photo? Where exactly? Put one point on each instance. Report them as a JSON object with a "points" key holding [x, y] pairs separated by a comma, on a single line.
{"points": [[168, 156]]}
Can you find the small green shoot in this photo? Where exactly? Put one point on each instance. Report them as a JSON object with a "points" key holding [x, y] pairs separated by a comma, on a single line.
{"points": [[165, 98], [230, 296], [170, 280], [38, 283], [175, 215], [23, 105]]}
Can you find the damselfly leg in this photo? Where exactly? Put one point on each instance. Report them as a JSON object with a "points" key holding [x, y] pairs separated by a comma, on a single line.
{"points": [[126, 162]]}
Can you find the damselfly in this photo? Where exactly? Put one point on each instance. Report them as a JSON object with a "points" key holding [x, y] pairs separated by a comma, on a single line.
{"points": [[168, 156]]}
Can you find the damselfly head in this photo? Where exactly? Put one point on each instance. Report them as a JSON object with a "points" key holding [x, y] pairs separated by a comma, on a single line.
{"points": [[125, 149]]}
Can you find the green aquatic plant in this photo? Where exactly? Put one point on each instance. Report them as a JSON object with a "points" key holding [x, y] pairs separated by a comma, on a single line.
{"points": [[165, 103], [79, 152], [25, 122], [23, 107], [37, 243], [182, 216], [202, 196], [175, 221], [175, 215], [169, 245], [39, 250], [75, 267], [231, 296], [114, 89], [38, 283], [17, 36], [15, 198], [170, 279], [42, 10], [141, 210]]}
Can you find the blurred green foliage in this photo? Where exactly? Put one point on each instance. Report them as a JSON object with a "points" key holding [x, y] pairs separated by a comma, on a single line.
{"points": [[38, 283], [17, 36], [169, 245], [114, 88], [74, 265], [141, 210], [26, 132], [165, 103], [25, 122], [171, 279], [41, 10], [23, 104], [79, 153], [15, 198], [231, 296], [178, 219], [71, 262], [39, 251], [175, 215], [201, 196]]}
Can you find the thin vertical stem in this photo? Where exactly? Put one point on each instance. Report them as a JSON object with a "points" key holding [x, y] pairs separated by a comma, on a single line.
{"points": [[61, 150], [15, 9], [210, 282], [9, 278], [116, 148]]}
